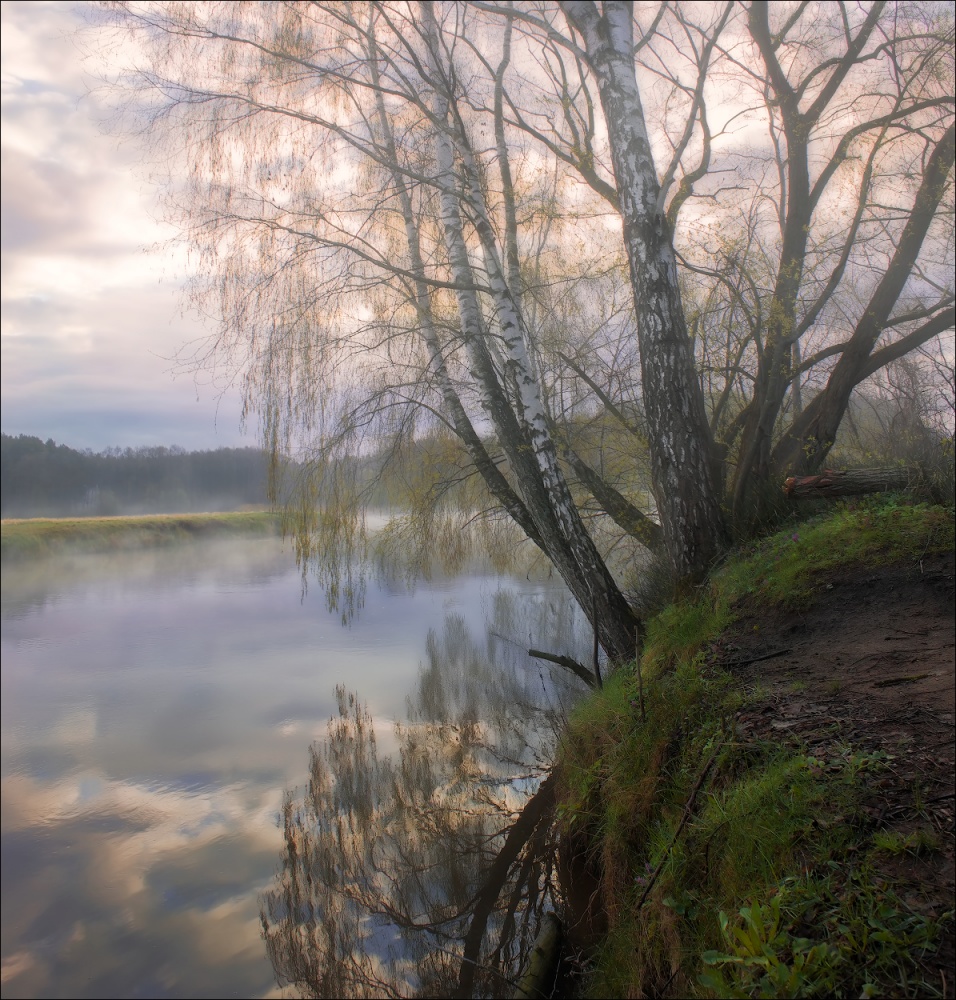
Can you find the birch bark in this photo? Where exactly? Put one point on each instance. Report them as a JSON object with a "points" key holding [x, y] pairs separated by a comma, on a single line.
{"points": [[681, 447], [525, 435]]}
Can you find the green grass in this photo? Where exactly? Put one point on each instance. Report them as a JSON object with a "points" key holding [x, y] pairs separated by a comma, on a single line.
{"points": [[784, 569], [38, 537], [769, 887]]}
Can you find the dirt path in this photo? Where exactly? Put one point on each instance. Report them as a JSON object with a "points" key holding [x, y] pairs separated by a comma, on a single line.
{"points": [[871, 666]]}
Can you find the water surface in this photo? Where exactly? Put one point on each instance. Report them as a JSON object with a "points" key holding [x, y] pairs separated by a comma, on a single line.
{"points": [[155, 708]]}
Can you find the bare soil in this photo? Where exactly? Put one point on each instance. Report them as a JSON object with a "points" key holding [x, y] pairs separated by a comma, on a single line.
{"points": [[870, 666]]}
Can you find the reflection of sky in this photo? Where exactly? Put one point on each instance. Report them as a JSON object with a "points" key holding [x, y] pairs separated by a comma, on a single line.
{"points": [[151, 719]]}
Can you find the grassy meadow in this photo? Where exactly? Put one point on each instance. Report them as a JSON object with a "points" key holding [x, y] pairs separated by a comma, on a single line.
{"points": [[38, 537]]}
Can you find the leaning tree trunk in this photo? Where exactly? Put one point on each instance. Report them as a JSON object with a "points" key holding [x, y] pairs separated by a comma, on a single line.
{"points": [[806, 444], [522, 427], [681, 447]]}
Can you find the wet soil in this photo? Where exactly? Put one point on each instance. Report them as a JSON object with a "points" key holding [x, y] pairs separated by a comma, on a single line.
{"points": [[868, 668]]}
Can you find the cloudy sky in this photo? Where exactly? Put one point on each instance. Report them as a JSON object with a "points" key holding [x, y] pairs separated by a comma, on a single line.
{"points": [[92, 318]]}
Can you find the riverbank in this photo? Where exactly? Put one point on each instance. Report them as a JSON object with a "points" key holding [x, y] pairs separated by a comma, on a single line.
{"points": [[766, 808], [38, 537]]}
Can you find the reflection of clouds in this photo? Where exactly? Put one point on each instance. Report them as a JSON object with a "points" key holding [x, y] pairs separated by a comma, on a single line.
{"points": [[169, 818], [166, 876], [182, 688], [78, 726], [16, 965]]}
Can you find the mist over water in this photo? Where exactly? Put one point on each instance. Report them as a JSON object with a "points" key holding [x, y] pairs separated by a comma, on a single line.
{"points": [[157, 707]]}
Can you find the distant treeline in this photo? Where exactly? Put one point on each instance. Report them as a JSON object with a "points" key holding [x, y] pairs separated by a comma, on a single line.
{"points": [[45, 479]]}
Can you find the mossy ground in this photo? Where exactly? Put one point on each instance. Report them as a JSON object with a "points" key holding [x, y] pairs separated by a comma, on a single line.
{"points": [[772, 857]]}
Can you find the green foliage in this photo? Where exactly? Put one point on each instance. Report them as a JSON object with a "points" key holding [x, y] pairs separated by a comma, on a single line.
{"points": [[772, 841], [864, 940], [762, 959]]}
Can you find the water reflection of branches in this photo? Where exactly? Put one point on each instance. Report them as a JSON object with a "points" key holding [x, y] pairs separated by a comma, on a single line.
{"points": [[427, 873]]}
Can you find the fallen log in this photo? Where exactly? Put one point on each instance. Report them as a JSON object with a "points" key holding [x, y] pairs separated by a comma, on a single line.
{"points": [[851, 482]]}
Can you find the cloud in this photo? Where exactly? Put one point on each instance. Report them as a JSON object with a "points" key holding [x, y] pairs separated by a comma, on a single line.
{"points": [[100, 369], [91, 322]]}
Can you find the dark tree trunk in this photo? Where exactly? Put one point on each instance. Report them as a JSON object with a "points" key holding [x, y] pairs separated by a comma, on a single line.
{"points": [[805, 446]]}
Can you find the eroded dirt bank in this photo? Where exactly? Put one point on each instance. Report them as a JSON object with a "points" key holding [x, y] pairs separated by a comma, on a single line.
{"points": [[870, 665]]}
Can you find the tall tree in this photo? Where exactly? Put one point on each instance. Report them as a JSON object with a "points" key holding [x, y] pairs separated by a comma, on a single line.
{"points": [[682, 453], [413, 238], [416, 222]]}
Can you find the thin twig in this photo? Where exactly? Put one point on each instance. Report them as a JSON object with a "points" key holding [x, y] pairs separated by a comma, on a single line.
{"points": [[640, 676], [688, 809], [597, 645], [755, 659]]}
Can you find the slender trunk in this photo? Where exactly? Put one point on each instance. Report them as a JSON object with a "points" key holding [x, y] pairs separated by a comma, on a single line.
{"points": [[756, 466], [525, 436], [494, 479], [681, 447]]}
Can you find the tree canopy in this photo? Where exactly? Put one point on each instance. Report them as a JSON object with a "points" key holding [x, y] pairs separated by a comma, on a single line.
{"points": [[614, 257]]}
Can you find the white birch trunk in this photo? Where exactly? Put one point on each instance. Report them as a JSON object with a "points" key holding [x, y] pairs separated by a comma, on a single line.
{"points": [[681, 448], [526, 440], [492, 476]]}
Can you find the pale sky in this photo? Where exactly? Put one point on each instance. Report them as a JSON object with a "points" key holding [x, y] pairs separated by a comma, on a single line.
{"points": [[92, 320]]}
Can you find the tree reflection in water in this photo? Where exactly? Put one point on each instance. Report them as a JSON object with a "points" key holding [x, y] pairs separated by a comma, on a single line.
{"points": [[427, 872]]}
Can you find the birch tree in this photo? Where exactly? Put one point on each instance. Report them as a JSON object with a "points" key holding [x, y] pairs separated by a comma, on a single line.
{"points": [[857, 103], [486, 224], [378, 300], [682, 453]]}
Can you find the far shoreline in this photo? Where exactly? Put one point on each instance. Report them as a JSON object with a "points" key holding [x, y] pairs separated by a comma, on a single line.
{"points": [[36, 537]]}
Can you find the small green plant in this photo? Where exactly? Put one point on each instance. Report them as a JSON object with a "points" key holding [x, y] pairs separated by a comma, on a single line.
{"points": [[919, 841], [865, 942], [762, 959]]}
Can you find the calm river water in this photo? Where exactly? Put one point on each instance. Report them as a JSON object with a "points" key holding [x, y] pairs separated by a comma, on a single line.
{"points": [[155, 709]]}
